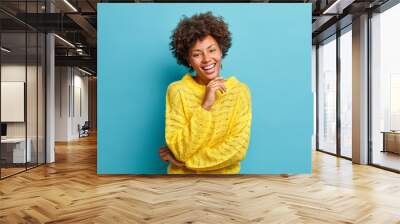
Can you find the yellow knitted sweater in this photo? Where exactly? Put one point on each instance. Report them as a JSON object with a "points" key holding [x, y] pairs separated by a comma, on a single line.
{"points": [[209, 142]]}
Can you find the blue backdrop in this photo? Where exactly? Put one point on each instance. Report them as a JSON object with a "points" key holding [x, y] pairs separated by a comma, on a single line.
{"points": [[271, 53]]}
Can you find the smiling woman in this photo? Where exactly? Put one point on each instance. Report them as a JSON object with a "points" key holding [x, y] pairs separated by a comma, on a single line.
{"points": [[208, 118]]}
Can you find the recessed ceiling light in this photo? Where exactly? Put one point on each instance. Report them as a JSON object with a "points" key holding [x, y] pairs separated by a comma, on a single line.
{"points": [[71, 6], [64, 40], [84, 71], [338, 6], [5, 50]]}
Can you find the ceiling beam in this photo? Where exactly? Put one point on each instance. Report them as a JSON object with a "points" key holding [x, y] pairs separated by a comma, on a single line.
{"points": [[86, 26], [84, 61], [337, 6]]}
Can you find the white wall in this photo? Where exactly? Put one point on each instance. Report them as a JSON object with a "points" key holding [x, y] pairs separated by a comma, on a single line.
{"points": [[71, 102], [9, 73], [15, 72], [33, 127], [62, 82], [80, 110]]}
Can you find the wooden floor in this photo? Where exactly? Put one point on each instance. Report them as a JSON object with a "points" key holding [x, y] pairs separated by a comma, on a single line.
{"points": [[5, 172], [70, 191], [9, 171], [387, 159]]}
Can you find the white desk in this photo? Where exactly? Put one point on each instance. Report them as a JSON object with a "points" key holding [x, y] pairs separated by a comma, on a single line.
{"points": [[18, 150]]}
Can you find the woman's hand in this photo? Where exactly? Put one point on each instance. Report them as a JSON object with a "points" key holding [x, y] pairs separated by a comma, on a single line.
{"points": [[211, 89], [166, 155]]}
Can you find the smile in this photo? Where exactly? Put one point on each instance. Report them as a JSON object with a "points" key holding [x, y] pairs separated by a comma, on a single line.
{"points": [[209, 67]]}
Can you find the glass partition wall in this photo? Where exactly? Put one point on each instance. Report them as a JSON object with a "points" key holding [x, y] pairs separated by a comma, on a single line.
{"points": [[334, 104], [385, 89], [13, 90], [334, 98], [22, 88], [334, 86]]}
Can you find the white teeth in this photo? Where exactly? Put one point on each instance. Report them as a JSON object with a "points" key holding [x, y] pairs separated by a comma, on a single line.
{"points": [[209, 67]]}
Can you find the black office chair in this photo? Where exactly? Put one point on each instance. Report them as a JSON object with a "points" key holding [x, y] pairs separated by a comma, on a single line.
{"points": [[84, 130]]}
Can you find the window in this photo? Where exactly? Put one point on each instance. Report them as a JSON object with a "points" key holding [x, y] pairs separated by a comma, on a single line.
{"points": [[327, 95], [346, 92], [385, 88]]}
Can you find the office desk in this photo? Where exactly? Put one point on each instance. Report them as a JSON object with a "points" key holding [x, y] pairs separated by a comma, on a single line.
{"points": [[391, 141], [13, 150]]}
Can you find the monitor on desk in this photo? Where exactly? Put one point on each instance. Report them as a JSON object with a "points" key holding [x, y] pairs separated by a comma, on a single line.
{"points": [[3, 130]]}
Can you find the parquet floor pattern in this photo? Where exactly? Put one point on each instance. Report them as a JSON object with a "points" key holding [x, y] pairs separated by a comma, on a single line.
{"points": [[70, 191]]}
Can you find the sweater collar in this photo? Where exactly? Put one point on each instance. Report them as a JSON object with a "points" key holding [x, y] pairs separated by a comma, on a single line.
{"points": [[189, 79]]}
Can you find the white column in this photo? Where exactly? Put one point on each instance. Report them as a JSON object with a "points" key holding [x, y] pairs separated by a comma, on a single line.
{"points": [[50, 92], [360, 90]]}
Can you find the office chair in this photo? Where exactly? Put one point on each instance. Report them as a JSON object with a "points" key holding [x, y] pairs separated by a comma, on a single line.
{"points": [[84, 130]]}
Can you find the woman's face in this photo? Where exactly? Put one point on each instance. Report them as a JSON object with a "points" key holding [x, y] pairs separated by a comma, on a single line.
{"points": [[205, 58]]}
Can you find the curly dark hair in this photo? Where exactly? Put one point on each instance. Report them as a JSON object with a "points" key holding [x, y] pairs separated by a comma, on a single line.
{"points": [[197, 27]]}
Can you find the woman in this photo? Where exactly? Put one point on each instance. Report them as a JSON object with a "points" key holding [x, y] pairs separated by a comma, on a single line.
{"points": [[208, 118]]}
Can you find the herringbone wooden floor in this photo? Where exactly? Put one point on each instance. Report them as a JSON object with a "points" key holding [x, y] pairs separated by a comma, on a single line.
{"points": [[70, 191]]}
